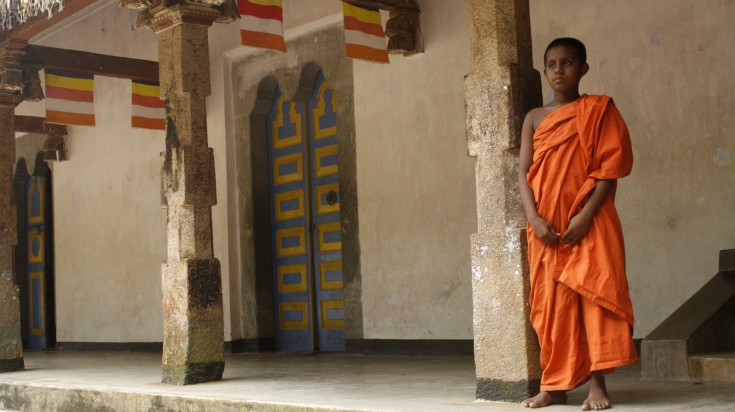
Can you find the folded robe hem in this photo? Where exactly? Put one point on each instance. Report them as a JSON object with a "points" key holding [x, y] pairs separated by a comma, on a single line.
{"points": [[608, 365], [598, 300]]}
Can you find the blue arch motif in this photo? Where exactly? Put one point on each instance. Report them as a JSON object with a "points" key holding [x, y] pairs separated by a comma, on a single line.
{"points": [[305, 221]]}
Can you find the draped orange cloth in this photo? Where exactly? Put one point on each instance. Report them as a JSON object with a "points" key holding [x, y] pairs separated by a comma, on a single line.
{"points": [[580, 304]]}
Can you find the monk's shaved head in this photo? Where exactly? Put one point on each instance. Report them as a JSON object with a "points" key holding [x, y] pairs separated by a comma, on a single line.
{"points": [[577, 46]]}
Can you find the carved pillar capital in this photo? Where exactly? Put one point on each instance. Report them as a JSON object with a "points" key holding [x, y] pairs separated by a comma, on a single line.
{"points": [[32, 90], [54, 148], [164, 14], [11, 73], [402, 27]]}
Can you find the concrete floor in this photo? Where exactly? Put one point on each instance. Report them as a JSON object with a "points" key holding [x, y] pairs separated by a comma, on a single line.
{"points": [[124, 381]]}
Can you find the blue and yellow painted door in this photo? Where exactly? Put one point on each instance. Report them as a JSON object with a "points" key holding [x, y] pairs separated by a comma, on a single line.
{"points": [[325, 204], [36, 229], [287, 176], [305, 224]]}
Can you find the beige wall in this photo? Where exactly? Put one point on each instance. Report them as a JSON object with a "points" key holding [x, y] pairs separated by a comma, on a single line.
{"points": [[416, 185], [668, 67], [109, 226]]}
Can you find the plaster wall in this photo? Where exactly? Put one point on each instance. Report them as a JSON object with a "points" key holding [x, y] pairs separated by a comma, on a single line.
{"points": [[27, 147], [416, 185], [110, 229], [667, 65]]}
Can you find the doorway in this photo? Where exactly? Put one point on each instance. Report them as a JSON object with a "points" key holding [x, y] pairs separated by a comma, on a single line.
{"points": [[35, 255], [306, 233]]}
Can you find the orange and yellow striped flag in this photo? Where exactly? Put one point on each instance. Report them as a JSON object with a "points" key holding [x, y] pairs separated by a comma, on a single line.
{"points": [[364, 36], [148, 110], [261, 24], [69, 97]]}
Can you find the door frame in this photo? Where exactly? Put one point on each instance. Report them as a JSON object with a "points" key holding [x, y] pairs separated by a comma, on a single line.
{"points": [[341, 82]]}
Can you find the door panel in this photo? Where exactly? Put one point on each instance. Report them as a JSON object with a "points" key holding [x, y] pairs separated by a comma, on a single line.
{"points": [[325, 205], [305, 222], [36, 191], [287, 176]]}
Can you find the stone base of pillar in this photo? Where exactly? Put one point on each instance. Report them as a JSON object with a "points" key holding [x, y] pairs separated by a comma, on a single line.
{"points": [[506, 347], [12, 365], [11, 348], [193, 351], [507, 391], [193, 373]]}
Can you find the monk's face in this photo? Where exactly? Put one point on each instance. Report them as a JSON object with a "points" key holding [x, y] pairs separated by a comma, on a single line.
{"points": [[563, 69]]}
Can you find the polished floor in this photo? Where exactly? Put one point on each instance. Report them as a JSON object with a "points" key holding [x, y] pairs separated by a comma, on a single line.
{"points": [[125, 381]]}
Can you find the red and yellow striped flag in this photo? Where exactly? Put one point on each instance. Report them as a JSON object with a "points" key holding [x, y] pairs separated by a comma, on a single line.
{"points": [[69, 97], [261, 24], [148, 110], [364, 37]]}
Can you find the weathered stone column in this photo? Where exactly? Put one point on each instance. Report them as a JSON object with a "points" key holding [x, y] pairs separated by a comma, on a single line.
{"points": [[193, 322], [502, 87], [11, 346]]}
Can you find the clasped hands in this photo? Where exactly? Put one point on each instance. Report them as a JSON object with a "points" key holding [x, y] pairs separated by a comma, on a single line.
{"points": [[578, 228]]}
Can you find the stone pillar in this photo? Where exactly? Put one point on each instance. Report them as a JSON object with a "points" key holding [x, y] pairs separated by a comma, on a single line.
{"points": [[193, 321], [502, 87], [11, 346]]}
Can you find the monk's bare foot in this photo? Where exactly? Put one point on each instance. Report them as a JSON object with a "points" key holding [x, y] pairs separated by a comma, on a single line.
{"points": [[545, 399], [597, 399]]}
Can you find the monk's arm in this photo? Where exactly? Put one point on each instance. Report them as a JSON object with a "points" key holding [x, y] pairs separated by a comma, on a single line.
{"points": [[541, 228], [579, 225]]}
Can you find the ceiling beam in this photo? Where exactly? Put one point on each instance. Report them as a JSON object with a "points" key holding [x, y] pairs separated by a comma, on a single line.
{"points": [[38, 125], [35, 25], [85, 62]]}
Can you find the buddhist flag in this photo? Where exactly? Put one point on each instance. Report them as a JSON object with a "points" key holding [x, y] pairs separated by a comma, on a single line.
{"points": [[149, 111], [261, 24], [69, 97], [364, 37]]}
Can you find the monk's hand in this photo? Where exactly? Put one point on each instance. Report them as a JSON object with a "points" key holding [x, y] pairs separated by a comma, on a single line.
{"points": [[578, 228], [544, 230]]}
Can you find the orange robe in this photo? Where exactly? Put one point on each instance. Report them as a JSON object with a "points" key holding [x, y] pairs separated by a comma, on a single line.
{"points": [[580, 305]]}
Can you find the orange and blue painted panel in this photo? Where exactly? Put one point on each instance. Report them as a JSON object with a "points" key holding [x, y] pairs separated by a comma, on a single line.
{"points": [[325, 216], [288, 182]]}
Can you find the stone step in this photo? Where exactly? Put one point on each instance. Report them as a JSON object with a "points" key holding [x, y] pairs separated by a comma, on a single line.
{"points": [[713, 367]]}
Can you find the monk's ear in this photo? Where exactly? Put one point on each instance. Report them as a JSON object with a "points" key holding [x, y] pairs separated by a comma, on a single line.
{"points": [[585, 68]]}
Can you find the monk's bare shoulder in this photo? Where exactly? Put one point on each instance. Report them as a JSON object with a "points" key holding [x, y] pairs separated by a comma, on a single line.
{"points": [[537, 115]]}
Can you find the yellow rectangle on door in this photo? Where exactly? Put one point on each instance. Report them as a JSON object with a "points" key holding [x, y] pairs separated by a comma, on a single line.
{"points": [[290, 241], [288, 169], [333, 314], [290, 205], [292, 278], [330, 237], [294, 315]]}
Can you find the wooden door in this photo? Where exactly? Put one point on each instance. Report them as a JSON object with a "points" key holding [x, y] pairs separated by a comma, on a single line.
{"points": [[306, 237]]}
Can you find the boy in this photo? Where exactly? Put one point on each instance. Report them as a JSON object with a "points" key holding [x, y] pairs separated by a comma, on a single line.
{"points": [[572, 151]]}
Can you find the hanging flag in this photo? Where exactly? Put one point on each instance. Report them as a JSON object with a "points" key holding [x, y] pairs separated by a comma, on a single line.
{"points": [[364, 37], [261, 24], [148, 110], [69, 97]]}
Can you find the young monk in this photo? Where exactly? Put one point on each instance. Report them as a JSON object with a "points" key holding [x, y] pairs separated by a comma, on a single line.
{"points": [[572, 151]]}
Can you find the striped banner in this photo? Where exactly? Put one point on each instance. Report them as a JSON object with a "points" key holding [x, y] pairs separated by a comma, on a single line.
{"points": [[148, 110], [261, 24], [364, 37], [69, 97]]}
